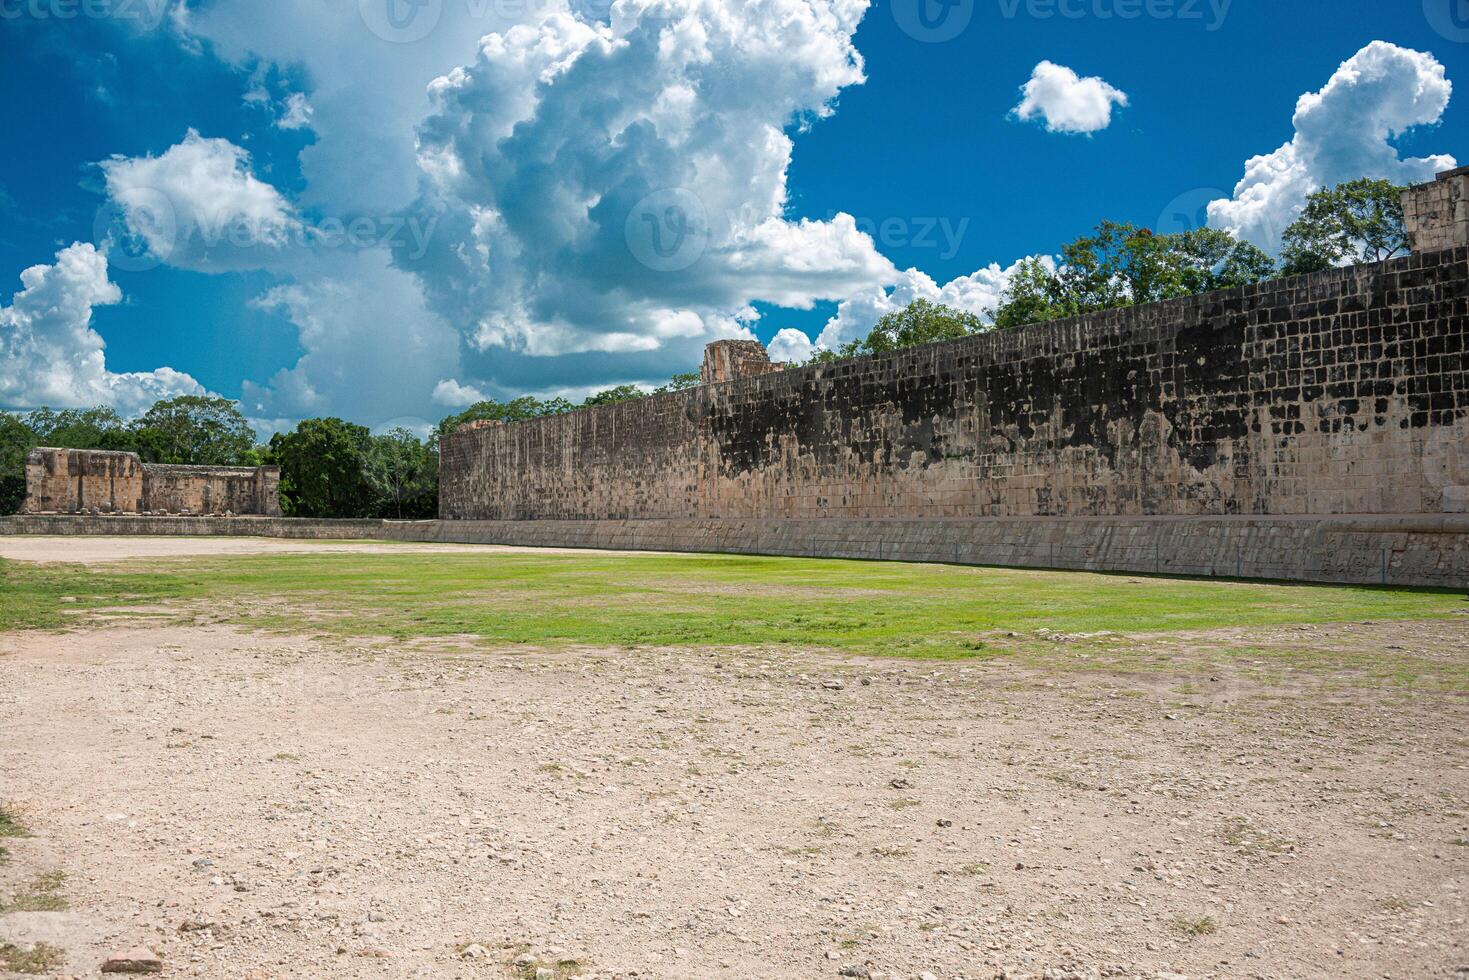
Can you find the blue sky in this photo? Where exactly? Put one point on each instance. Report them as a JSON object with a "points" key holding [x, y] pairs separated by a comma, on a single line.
{"points": [[181, 177]]}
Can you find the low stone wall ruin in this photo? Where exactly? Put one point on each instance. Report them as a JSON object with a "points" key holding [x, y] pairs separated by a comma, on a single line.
{"points": [[74, 481]]}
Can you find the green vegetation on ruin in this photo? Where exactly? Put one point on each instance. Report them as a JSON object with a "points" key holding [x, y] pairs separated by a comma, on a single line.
{"points": [[559, 600]]}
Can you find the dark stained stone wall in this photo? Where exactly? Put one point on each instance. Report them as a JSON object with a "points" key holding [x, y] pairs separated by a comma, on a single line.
{"points": [[1345, 392]]}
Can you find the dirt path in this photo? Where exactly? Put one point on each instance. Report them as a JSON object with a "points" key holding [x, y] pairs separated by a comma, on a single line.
{"points": [[89, 550], [374, 812]]}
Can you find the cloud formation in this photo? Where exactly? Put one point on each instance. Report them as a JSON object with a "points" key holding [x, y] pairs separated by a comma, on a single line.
{"points": [[645, 225], [1067, 103], [1342, 132], [200, 206], [50, 355]]}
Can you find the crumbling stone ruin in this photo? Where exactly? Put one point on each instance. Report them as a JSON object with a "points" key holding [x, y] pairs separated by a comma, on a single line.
{"points": [[727, 360], [74, 481]]}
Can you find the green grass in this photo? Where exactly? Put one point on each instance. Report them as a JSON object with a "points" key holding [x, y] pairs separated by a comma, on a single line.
{"points": [[10, 826], [556, 600], [1195, 927], [40, 958], [43, 894]]}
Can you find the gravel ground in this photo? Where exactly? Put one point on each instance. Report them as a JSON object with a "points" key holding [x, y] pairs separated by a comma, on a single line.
{"points": [[253, 806], [89, 550]]}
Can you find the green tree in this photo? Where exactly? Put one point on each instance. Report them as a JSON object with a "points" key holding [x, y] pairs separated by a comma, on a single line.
{"points": [[403, 475], [1031, 297], [1121, 265], [200, 431], [16, 440], [920, 322], [322, 469], [1359, 221], [517, 410], [79, 428], [680, 382], [612, 396]]}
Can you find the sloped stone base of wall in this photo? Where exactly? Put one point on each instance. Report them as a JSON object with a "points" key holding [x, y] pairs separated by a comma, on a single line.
{"points": [[107, 525], [1383, 550]]}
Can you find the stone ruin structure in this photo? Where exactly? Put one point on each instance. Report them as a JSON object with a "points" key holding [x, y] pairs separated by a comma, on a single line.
{"points": [[729, 360], [75, 481], [1311, 427], [1436, 215]]}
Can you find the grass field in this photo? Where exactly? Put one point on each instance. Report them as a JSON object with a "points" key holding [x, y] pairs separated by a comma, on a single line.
{"points": [[559, 599]]}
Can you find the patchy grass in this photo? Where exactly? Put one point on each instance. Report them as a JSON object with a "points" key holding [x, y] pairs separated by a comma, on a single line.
{"points": [[1193, 928], [556, 600], [40, 958], [43, 894], [1251, 841], [10, 825]]}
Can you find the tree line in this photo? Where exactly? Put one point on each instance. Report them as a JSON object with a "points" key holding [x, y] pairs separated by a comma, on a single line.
{"points": [[1122, 265]]}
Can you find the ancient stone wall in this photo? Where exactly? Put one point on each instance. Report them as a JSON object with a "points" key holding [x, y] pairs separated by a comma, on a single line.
{"points": [[1344, 392], [1436, 215], [71, 481]]}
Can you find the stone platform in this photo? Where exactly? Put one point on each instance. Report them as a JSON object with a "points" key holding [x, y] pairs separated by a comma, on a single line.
{"points": [[1364, 550]]}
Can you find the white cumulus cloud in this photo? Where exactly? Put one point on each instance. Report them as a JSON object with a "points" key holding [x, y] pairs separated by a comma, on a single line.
{"points": [[1066, 102], [51, 356], [643, 226], [200, 206], [1342, 132], [790, 346], [455, 395]]}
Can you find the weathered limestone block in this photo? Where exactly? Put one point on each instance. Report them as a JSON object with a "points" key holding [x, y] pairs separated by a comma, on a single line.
{"points": [[731, 360], [1436, 215]]}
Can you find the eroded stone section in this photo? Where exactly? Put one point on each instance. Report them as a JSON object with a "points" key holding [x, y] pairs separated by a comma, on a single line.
{"points": [[71, 481], [1344, 392], [731, 360], [1436, 215]]}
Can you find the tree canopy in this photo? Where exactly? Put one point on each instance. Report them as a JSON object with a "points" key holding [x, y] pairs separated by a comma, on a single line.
{"points": [[1122, 265], [1359, 221], [322, 469], [201, 431]]}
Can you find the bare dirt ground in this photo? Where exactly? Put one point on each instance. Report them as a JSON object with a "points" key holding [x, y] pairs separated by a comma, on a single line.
{"points": [[99, 549], [265, 806]]}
